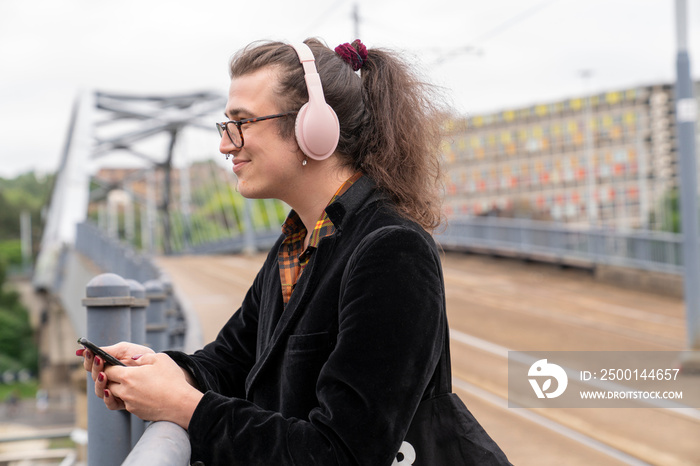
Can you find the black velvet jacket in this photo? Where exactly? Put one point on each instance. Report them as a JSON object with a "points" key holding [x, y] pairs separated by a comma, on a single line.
{"points": [[336, 376]]}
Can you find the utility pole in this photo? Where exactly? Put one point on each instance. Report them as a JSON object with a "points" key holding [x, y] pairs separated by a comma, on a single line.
{"points": [[148, 227], [356, 19], [167, 194], [25, 228], [129, 221], [185, 201], [686, 116]]}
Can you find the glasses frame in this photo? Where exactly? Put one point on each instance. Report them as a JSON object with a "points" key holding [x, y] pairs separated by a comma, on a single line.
{"points": [[224, 126]]}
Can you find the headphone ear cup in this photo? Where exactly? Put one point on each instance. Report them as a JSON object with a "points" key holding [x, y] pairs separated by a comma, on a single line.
{"points": [[317, 130]]}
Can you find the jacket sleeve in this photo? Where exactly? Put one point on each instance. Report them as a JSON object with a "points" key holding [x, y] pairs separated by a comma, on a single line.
{"points": [[391, 321]]}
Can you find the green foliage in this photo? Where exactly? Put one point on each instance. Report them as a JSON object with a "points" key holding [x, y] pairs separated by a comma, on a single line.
{"points": [[23, 390], [668, 213], [215, 212], [16, 340], [11, 252], [17, 347], [25, 193]]}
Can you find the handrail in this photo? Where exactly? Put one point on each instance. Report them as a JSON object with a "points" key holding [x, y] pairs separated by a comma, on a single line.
{"points": [[163, 444], [639, 249], [125, 310], [111, 255]]}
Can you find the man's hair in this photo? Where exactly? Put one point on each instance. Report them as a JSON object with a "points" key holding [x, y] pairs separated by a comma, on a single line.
{"points": [[390, 120]]}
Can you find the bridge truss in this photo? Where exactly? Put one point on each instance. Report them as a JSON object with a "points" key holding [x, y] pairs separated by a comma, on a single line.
{"points": [[145, 169]]}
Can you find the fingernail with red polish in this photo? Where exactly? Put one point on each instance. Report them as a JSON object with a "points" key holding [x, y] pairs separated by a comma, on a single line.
{"points": [[101, 377], [106, 393], [80, 352], [98, 361]]}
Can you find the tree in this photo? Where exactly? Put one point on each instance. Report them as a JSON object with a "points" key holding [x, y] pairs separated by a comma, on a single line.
{"points": [[17, 347], [667, 214], [25, 193]]}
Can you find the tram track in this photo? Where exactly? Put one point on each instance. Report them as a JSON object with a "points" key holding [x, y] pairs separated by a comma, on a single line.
{"points": [[500, 351], [496, 305], [589, 429], [542, 421]]}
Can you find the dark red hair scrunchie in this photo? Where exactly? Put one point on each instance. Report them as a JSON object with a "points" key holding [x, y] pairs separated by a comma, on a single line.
{"points": [[354, 54]]}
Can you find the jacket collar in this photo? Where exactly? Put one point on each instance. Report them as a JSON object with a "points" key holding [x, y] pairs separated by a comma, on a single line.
{"points": [[362, 193]]}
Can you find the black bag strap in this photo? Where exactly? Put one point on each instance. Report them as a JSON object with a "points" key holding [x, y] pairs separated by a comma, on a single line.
{"points": [[444, 365]]}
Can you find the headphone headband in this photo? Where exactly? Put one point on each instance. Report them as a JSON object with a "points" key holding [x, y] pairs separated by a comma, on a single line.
{"points": [[317, 128]]}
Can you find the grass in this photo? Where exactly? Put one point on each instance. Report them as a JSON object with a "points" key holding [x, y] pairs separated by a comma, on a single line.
{"points": [[24, 390], [62, 443]]}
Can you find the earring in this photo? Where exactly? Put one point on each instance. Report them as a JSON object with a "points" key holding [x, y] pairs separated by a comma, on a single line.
{"points": [[303, 162]]}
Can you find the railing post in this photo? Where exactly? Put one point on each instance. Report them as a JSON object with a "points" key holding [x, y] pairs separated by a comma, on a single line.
{"points": [[170, 312], [686, 121], [108, 303], [138, 336], [249, 230], [156, 320]]}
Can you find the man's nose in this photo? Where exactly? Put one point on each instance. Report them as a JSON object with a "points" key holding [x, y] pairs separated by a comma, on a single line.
{"points": [[226, 147]]}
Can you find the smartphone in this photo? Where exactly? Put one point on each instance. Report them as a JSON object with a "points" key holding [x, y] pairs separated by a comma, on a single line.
{"points": [[108, 358]]}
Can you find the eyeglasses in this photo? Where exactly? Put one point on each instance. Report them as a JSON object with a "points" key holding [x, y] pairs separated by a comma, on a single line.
{"points": [[237, 136]]}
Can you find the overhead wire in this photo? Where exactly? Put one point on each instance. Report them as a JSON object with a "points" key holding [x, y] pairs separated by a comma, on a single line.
{"points": [[489, 34], [509, 23], [323, 16]]}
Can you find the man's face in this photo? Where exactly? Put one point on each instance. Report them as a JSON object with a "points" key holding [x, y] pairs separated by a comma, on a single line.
{"points": [[267, 166]]}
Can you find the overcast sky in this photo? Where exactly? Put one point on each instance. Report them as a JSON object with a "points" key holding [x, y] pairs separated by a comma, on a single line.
{"points": [[523, 51]]}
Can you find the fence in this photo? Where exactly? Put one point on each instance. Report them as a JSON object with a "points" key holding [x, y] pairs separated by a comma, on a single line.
{"points": [[642, 249], [112, 255], [125, 310], [141, 309]]}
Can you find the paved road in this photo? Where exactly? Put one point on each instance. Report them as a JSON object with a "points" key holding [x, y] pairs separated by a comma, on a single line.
{"points": [[498, 304]]}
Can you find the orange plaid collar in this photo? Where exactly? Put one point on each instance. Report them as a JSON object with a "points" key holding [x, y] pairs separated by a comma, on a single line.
{"points": [[292, 258], [324, 227], [293, 228]]}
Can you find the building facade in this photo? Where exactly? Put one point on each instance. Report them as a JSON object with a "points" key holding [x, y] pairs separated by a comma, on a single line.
{"points": [[607, 160]]}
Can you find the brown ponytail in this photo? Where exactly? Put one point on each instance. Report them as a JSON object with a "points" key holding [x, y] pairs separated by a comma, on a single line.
{"points": [[390, 121], [403, 137]]}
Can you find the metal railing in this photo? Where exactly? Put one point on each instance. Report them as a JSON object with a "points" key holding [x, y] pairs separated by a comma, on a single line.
{"points": [[163, 444], [108, 253], [124, 310], [639, 249], [119, 258], [143, 309], [642, 249]]}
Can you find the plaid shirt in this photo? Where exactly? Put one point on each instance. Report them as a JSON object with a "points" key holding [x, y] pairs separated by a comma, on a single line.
{"points": [[291, 257]]}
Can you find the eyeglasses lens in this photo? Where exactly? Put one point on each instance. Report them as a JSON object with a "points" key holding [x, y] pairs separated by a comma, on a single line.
{"points": [[232, 132]]}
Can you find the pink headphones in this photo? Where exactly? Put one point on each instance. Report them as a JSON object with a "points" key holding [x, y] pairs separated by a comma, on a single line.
{"points": [[317, 128]]}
